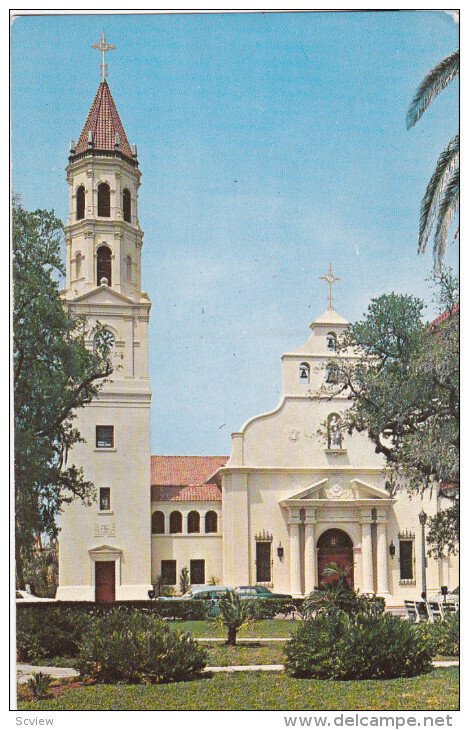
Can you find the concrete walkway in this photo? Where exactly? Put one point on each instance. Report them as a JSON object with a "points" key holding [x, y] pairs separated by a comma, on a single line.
{"points": [[280, 667], [25, 671], [247, 668]]}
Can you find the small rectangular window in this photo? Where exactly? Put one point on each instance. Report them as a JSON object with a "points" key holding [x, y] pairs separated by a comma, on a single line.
{"points": [[104, 437], [406, 559], [197, 571], [104, 499], [168, 572], [263, 562]]}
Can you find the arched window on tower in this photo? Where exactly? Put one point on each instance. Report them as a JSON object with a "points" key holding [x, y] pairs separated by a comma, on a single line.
{"points": [[104, 200], [78, 265], [211, 521], [157, 523], [304, 373], [193, 522], [80, 203], [128, 268], [103, 265], [127, 205], [175, 522], [331, 341]]}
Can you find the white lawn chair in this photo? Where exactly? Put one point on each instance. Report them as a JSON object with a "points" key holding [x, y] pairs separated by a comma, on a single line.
{"points": [[435, 611], [412, 611], [450, 607]]}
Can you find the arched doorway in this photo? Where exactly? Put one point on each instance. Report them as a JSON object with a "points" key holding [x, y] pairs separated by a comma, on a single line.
{"points": [[335, 546]]}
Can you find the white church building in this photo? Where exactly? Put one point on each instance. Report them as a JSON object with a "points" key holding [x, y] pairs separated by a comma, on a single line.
{"points": [[275, 511]]}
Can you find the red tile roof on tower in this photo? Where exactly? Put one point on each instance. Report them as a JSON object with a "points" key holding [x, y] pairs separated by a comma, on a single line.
{"points": [[104, 122], [184, 470], [184, 478], [203, 493]]}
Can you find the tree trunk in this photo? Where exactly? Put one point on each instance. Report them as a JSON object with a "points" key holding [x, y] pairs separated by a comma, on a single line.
{"points": [[232, 631], [19, 567]]}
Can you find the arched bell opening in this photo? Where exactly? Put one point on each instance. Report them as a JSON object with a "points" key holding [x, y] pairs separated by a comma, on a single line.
{"points": [[103, 266]]}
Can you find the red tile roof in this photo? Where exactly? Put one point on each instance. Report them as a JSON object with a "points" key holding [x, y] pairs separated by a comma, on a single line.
{"points": [[202, 493], [184, 470], [103, 120], [445, 315]]}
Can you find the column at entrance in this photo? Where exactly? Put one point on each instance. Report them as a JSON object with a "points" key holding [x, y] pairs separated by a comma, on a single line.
{"points": [[310, 551], [382, 558], [367, 558], [295, 565]]}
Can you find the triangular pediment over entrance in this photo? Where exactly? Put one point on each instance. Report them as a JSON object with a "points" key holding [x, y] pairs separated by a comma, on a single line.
{"points": [[105, 550], [105, 295], [337, 489]]}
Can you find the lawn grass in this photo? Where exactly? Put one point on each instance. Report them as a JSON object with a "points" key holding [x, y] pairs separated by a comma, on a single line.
{"points": [[261, 691], [220, 655], [258, 629]]}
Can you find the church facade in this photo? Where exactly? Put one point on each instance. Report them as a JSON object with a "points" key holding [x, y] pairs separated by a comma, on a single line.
{"points": [[278, 509]]}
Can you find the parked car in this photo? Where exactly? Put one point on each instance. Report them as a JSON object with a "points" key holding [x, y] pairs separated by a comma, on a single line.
{"points": [[211, 594], [260, 592], [200, 592]]}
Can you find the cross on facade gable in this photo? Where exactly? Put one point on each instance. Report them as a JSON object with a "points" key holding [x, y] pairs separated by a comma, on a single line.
{"points": [[330, 279], [104, 47]]}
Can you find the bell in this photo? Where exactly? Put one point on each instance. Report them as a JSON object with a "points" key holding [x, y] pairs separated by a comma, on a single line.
{"points": [[304, 373]]}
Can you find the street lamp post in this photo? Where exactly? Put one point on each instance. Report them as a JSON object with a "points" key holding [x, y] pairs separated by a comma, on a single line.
{"points": [[423, 520]]}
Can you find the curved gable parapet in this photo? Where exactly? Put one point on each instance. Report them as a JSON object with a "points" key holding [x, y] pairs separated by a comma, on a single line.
{"points": [[262, 416]]}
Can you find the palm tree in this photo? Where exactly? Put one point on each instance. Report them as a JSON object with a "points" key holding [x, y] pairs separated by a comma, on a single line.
{"points": [[441, 200], [235, 613]]}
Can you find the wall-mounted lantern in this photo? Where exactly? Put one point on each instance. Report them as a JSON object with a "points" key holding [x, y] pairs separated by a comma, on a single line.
{"points": [[280, 551], [392, 549]]}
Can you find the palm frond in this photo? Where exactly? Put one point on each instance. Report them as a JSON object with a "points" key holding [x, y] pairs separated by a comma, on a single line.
{"points": [[448, 208], [433, 83], [448, 159]]}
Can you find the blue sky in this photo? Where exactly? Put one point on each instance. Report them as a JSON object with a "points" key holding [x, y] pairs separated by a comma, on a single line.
{"points": [[270, 144]]}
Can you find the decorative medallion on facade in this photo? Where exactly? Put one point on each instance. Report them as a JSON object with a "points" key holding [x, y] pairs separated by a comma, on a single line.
{"points": [[105, 529], [336, 491], [294, 434]]}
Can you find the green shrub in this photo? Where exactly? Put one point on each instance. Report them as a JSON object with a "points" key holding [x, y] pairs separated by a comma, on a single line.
{"points": [[338, 645], [268, 608], [39, 685], [184, 580], [339, 596], [186, 610], [53, 631], [129, 646], [442, 637]]}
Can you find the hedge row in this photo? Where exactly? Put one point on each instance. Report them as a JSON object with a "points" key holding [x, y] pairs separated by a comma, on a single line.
{"points": [[55, 629]]}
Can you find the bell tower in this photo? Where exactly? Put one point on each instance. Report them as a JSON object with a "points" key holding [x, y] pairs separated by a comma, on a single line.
{"points": [[105, 548]]}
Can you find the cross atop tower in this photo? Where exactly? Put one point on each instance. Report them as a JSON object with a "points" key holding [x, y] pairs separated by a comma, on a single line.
{"points": [[104, 47], [330, 279]]}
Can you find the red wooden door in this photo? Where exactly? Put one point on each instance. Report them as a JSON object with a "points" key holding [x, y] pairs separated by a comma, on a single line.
{"points": [[335, 546], [343, 559], [105, 580]]}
